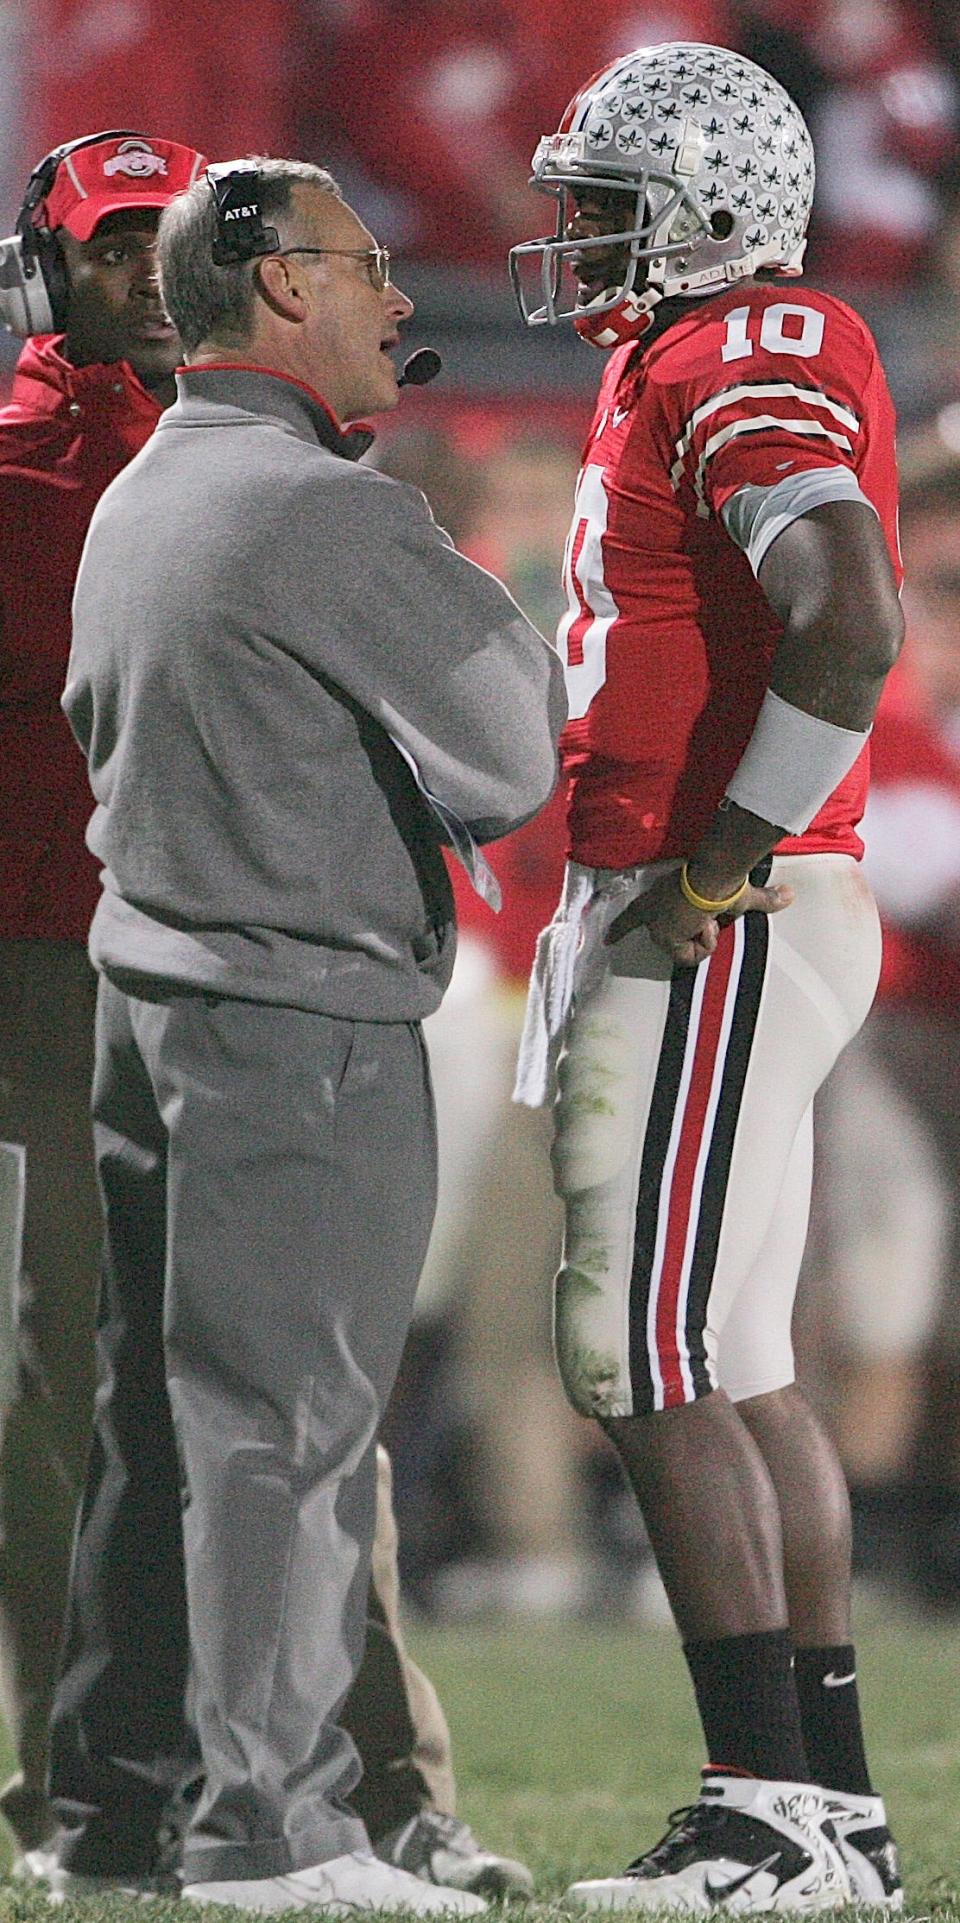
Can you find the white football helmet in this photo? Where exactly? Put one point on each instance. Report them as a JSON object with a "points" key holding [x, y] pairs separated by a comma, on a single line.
{"points": [[719, 165]]}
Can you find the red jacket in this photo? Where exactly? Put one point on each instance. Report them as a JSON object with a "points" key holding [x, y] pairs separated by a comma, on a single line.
{"points": [[921, 964], [66, 432]]}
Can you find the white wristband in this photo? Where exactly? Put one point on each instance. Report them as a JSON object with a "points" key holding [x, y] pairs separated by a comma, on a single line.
{"points": [[792, 763]]}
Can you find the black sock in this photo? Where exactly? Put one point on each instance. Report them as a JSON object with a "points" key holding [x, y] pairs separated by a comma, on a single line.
{"points": [[747, 1698], [830, 1715]]}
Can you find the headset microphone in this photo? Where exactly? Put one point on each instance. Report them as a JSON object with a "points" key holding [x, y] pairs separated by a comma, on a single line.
{"points": [[423, 366]]}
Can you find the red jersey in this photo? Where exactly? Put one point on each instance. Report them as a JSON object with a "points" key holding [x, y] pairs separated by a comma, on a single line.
{"points": [[668, 640], [529, 867], [64, 435]]}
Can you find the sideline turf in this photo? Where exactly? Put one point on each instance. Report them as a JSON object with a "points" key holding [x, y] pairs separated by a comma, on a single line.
{"points": [[572, 1743]]}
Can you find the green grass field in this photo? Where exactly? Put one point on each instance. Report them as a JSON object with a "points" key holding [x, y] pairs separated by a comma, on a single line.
{"points": [[572, 1744]]}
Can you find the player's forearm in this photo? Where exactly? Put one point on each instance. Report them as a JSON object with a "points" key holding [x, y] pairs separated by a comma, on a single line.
{"points": [[824, 675], [828, 577]]}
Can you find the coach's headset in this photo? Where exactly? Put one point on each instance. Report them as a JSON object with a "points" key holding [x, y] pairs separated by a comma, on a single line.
{"points": [[34, 281], [241, 234]]}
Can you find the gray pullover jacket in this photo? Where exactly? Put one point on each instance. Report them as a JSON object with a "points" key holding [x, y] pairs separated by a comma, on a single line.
{"points": [[256, 621]]}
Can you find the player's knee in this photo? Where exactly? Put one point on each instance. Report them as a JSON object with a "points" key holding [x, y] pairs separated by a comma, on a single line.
{"points": [[588, 1150], [758, 1368]]}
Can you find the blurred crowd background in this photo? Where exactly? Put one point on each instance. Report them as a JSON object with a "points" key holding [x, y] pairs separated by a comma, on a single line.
{"points": [[428, 111]]}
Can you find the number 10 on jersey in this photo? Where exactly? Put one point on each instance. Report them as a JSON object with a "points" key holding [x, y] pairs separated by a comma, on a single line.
{"points": [[786, 327]]}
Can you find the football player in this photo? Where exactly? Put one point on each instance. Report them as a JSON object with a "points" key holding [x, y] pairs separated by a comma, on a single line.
{"points": [[732, 573]]}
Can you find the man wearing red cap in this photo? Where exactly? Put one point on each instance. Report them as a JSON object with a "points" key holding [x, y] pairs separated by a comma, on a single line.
{"points": [[96, 371]]}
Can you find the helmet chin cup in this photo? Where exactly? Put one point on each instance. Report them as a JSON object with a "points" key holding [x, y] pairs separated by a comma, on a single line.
{"points": [[614, 326]]}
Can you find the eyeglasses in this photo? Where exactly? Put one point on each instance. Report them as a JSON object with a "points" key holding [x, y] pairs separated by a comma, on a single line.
{"points": [[377, 260]]}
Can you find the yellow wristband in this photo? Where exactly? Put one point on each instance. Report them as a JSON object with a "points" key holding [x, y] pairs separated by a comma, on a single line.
{"points": [[700, 901]]}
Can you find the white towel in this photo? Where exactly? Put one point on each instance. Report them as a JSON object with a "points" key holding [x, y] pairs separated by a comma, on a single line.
{"points": [[572, 959]]}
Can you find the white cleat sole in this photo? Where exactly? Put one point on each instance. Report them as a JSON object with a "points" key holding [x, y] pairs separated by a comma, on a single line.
{"points": [[342, 1886]]}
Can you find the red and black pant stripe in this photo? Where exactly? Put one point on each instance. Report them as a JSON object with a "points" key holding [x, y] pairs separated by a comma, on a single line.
{"points": [[708, 1037]]}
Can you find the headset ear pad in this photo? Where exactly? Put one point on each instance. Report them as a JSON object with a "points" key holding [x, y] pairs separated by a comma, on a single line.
{"points": [[34, 282], [49, 287]]}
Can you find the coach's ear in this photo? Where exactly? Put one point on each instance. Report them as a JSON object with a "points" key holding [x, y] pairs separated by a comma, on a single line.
{"points": [[284, 285]]}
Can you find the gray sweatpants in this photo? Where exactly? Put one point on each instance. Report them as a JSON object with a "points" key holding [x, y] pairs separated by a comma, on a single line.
{"points": [[268, 1177]]}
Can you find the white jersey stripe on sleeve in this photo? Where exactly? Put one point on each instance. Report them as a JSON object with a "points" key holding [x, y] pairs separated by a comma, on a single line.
{"points": [[757, 391], [812, 429]]}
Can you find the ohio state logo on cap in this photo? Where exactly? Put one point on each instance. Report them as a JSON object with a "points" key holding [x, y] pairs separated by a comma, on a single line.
{"points": [[137, 159], [111, 174]]}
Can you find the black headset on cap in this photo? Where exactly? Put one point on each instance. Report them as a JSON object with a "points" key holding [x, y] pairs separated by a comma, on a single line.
{"points": [[34, 282]]}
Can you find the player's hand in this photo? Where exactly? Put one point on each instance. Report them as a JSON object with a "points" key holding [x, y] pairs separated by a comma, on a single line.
{"points": [[683, 932]]}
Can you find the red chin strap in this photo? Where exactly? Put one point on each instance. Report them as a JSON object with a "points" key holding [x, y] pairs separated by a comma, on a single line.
{"points": [[629, 320]]}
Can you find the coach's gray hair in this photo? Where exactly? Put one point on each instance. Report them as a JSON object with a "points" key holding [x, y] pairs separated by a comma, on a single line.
{"points": [[206, 302]]}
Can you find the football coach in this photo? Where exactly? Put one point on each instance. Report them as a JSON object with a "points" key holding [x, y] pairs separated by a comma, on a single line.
{"points": [[291, 690]]}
